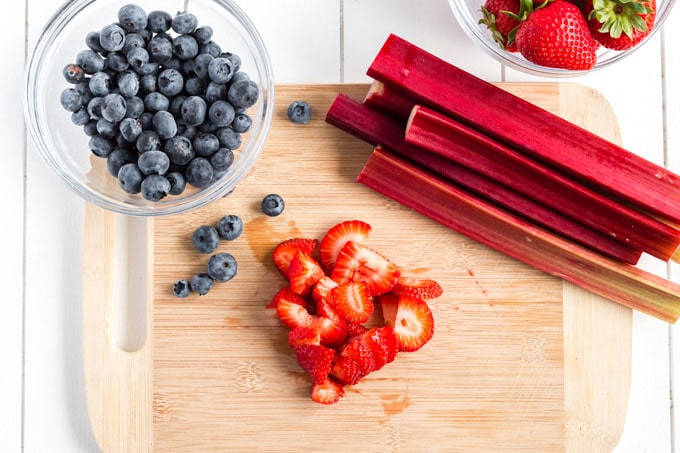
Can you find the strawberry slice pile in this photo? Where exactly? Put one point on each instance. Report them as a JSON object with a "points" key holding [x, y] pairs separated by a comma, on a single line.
{"points": [[333, 287]]}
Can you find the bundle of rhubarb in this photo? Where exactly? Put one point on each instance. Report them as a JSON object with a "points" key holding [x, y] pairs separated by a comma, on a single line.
{"points": [[516, 177]]}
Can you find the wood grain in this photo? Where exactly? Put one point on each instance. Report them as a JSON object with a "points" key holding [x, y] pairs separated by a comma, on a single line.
{"points": [[520, 360]]}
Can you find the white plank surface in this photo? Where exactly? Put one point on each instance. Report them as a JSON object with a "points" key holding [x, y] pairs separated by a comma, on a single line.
{"points": [[52, 406]]}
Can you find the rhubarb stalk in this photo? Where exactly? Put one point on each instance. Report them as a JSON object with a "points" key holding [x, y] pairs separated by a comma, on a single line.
{"points": [[457, 209]]}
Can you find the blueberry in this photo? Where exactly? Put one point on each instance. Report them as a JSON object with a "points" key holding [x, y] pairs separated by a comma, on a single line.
{"points": [[130, 178], [81, 117], [114, 107], [73, 73], [206, 239], [117, 61], [220, 70], [243, 93], [221, 113], [159, 21], [94, 107], [137, 57], [177, 182], [118, 158], [112, 37], [90, 128], [211, 48], [83, 87], [194, 86], [273, 205], [71, 100], [184, 23], [222, 159], [133, 41], [215, 91], [128, 83], [100, 84], [179, 150], [181, 288], [132, 17], [194, 110], [230, 227], [199, 172], [229, 138], [92, 41], [148, 83], [235, 60], [100, 145], [146, 119], [185, 47], [242, 123], [201, 64], [155, 187], [148, 68], [130, 128], [176, 105], [240, 76], [156, 101], [135, 107], [164, 124], [106, 128], [203, 34], [206, 144], [173, 63], [299, 112], [184, 130], [160, 49], [90, 61], [153, 162], [170, 82], [222, 267], [189, 68], [201, 284], [148, 141]]}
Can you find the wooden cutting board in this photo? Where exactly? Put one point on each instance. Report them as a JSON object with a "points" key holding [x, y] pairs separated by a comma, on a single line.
{"points": [[520, 361]]}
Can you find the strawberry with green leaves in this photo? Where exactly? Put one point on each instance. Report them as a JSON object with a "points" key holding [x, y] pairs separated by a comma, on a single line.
{"points": [[620, 24], [499, 23]]}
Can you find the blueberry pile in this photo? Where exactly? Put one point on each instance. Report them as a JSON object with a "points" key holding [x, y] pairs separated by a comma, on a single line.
{"points": [[160, 100], [221, 267]]}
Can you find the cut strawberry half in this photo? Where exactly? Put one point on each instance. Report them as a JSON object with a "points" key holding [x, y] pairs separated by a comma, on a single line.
{"points": [[382, 342], [285, 251], [327, 392], [333, 332], [303, 273], [287, 294], [336, 238], [361, 354], [303, 335], [357, 262], [411, 319], [293, 314], [352, 302], [321, 294], [347, 370], [316, 360], [355, 329], [424, 288]]}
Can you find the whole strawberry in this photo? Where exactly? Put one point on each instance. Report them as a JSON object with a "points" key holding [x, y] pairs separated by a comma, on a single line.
{"points": [[557, 36], [499, 23], [620, 24]]}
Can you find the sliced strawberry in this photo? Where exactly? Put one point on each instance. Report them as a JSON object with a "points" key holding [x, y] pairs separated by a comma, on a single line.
{"points": [[354, 329], [357, 262], [361, 354], [303, 273], [382, 342], [347, 370], [411, 319], [321, 293], [424, 288], [327, 392], [352, 301], [333, 332], [316, 360], [285, 251], [303, 335], [292, 314], [287, 294], [336, 238]]}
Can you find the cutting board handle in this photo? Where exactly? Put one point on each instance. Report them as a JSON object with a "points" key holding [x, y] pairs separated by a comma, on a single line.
{"points": [[118, 363]]}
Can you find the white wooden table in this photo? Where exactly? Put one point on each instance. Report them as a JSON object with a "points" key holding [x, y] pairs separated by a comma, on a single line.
{"points": [[42, 405]]}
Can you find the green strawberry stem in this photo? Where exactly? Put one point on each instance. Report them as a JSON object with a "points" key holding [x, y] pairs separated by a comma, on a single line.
{"points": [[620, 16]]}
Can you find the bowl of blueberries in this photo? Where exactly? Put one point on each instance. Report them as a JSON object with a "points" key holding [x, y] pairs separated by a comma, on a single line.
{"points": [[152, 107]]}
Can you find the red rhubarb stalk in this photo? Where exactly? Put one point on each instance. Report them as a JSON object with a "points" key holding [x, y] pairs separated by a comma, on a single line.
{"points": [[455, 141], [378, 129], [433, 82], [457, 209], [388, 100]]}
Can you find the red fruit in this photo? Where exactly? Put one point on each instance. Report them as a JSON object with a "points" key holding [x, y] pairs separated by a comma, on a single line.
{"points": [[287, 294], [303, 335], [347, 370], [382, 341], [316, 360], [418, 287], [361, 354], [333, 332], [411, 319], [336, 238], [355, 329], [500, 24], [557, 36], [293, 314], [352, 301], [356, 262], [303, 273], [327, 392], [322, 296], [619, 24], [286, 250]]}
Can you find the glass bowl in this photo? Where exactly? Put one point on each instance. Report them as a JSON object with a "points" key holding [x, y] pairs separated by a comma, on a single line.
{"points": [[64, 145], [467, 12]]}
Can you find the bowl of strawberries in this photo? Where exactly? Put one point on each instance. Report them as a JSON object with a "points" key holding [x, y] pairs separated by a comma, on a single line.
{"points": [[560, 37]]}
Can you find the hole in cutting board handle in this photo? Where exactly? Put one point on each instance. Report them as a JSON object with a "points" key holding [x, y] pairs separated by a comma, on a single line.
{"points": [[129, 283]]}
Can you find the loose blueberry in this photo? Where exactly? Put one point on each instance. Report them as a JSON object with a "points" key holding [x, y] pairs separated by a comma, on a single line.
{"points": [[159, 21], [135, 107], [176, 105], [148, 141], [73, 73], [100, 145], [170, 82], [71, 100], [242, 123], [164, 124], [146, 119], [215, 92], [94, 107], [90, 128], [155, 102], [186, 130], [235, 60], [194, 86], [118, 158], [184, 23], [194, 110], [90, 61], [203, 34], [185, 47], [222, 267], [112, 37], [160, 49], [243, 93], [201, 284], [221, 113], [148, 84], [130, 178], [117, 61], [201, 64], [230, 227], [114, 107], [211, 48], [137, 57], [133, 41], [299, 112], [132, 17], [206, 144], [81, 117], [92, 41], [273, 205], [148, 68], [130, 128], [206, 239], [179, 150], [153, 163], [128, 83], [181, 288], [199, 172], [155, 187], [222, 160], [220, 70], [106, 128], [100, 84], [177, 182], [228, 138]]}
